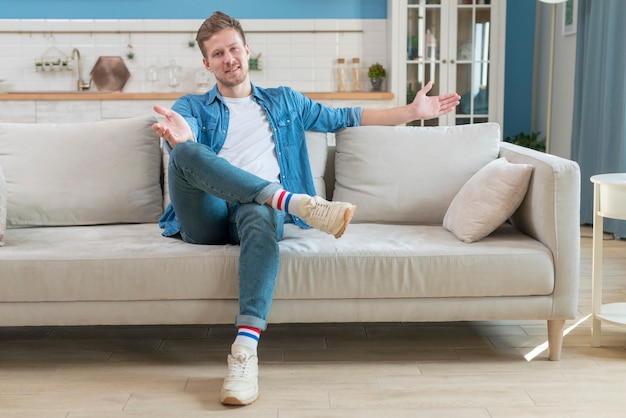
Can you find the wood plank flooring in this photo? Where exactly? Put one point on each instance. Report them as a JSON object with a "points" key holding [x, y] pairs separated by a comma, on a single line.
{"points": [[479, 369]]}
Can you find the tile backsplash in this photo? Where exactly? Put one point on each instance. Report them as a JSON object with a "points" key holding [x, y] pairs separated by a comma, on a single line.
{"points": [[299, 53]]}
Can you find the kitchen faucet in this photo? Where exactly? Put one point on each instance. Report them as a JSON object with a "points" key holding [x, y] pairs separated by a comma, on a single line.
{"points": [[82, 85]]}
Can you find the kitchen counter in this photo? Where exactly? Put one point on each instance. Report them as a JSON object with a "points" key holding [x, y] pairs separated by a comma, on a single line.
{"points": [[96, 95]]}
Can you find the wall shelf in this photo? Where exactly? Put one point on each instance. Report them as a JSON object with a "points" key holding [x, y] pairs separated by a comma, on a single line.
{"points": [[97, 95]]}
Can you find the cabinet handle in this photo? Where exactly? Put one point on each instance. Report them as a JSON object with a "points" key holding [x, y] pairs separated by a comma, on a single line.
{"points": [[451, 61], [443, 61]]}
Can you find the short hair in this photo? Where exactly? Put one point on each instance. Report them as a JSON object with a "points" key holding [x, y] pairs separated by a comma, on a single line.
{"points": [[215, 23]]}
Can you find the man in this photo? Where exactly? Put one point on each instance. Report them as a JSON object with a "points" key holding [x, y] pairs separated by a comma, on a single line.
{"points": [[239, 169]]}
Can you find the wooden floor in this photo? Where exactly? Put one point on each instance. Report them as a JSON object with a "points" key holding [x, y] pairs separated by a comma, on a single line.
{"points": [[486, 369]]}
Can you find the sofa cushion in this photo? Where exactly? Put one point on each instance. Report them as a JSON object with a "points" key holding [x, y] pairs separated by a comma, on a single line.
{"points": [[487, 200], [317, 147], [392, 262], [165, 156], [82, 173], [409, 174], [3, 206]]}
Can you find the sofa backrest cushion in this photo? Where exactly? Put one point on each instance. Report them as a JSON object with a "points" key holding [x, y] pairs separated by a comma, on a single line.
{"points": [[409, 174], [82, 173], [317, 147], [3, 206]]}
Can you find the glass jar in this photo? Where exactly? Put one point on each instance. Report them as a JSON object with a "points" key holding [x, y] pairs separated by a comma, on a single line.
{"points": [[341, 74], [356, 74]]}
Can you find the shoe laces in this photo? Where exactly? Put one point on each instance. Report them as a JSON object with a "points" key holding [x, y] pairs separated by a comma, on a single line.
{"points": [[240, 365], [321, 209]]}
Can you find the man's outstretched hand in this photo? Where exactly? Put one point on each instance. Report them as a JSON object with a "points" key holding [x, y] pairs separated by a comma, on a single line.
{"points": [[173, 128], [429, 107]]}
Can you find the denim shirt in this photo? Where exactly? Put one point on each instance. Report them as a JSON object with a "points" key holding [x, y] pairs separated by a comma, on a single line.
{"points": [[289, 113]]}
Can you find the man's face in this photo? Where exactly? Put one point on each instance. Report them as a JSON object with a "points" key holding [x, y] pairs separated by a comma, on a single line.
{"points": [[227, 57]]}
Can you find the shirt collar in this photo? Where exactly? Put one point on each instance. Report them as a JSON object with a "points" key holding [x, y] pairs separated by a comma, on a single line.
{"points": [[214, 94]]}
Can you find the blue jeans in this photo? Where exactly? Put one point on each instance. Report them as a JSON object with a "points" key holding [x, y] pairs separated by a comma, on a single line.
{"points": [[217, 203]]}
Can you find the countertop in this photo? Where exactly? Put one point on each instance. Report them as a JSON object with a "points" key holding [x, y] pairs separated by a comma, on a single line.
{"points": [[96, 95]]}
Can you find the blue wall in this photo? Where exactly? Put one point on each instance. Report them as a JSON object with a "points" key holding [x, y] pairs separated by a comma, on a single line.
{"points": [[518, 68], [192, 9]]}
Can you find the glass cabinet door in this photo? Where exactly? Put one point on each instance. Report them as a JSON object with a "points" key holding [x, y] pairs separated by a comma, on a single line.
{"points": [[449, 43], [424, 19], [473, 23]]}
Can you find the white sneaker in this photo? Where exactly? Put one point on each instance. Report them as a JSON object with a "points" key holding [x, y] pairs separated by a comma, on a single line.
{"points": [[330, 217], [241, 385]]}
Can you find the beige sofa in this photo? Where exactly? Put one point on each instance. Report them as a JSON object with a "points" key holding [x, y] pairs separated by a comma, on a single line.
{"points": [[82, 245]]}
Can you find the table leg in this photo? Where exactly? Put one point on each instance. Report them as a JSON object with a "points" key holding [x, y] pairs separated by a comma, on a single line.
{"points": [[596, 266]]}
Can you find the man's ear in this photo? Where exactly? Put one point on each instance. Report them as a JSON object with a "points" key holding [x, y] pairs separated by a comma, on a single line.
{"points": [[206, 64]]}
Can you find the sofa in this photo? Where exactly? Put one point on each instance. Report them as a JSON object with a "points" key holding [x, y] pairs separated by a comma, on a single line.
{"points": [[452, 224]]}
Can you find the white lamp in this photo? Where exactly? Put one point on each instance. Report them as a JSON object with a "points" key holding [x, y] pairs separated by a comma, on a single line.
{"points": [[550, 69]]}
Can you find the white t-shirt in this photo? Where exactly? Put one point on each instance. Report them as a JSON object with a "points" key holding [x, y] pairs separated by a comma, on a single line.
{"points": [[249, 143]]}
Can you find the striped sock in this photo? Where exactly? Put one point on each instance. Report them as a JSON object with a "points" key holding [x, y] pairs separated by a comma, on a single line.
{"points": [[248, 336], [287, 202]]}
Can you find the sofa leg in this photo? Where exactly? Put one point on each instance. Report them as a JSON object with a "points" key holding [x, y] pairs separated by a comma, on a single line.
{"points": [[555, 338]]}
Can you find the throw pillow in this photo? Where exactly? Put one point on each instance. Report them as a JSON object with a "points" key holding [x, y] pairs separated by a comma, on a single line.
{"points": [[487, 200], [3, 206], [82, 173]]}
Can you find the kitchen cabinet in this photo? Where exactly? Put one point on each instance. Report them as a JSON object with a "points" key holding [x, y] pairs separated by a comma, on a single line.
{"points": [[457, 44]]}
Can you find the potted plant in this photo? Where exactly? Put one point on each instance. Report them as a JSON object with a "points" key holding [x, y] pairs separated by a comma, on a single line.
{"points": [[376, 73], [529, 141]]}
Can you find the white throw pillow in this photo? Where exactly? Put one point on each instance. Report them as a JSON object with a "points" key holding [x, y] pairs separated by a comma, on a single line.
{"points": [[3, 206], [487, 200], [82, 173], [409, 174]]}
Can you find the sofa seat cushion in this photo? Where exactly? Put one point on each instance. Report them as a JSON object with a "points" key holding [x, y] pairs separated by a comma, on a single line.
{"points": [[134, 262]]}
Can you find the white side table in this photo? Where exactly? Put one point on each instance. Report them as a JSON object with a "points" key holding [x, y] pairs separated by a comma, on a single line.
{"points": [[609, 201]]}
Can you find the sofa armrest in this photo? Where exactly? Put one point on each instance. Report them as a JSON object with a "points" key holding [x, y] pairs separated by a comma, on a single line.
{"points": [[550, 213]]}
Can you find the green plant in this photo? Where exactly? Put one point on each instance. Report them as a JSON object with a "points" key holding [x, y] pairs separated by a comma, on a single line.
{"points": [[376, 71], [528, 141]]}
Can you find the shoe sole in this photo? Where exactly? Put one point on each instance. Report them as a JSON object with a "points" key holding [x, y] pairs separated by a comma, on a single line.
{"points": [[231, 400], [347, 217]]}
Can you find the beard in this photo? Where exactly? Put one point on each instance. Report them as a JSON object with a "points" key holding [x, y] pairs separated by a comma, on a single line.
{"points": [[232, 79]]}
